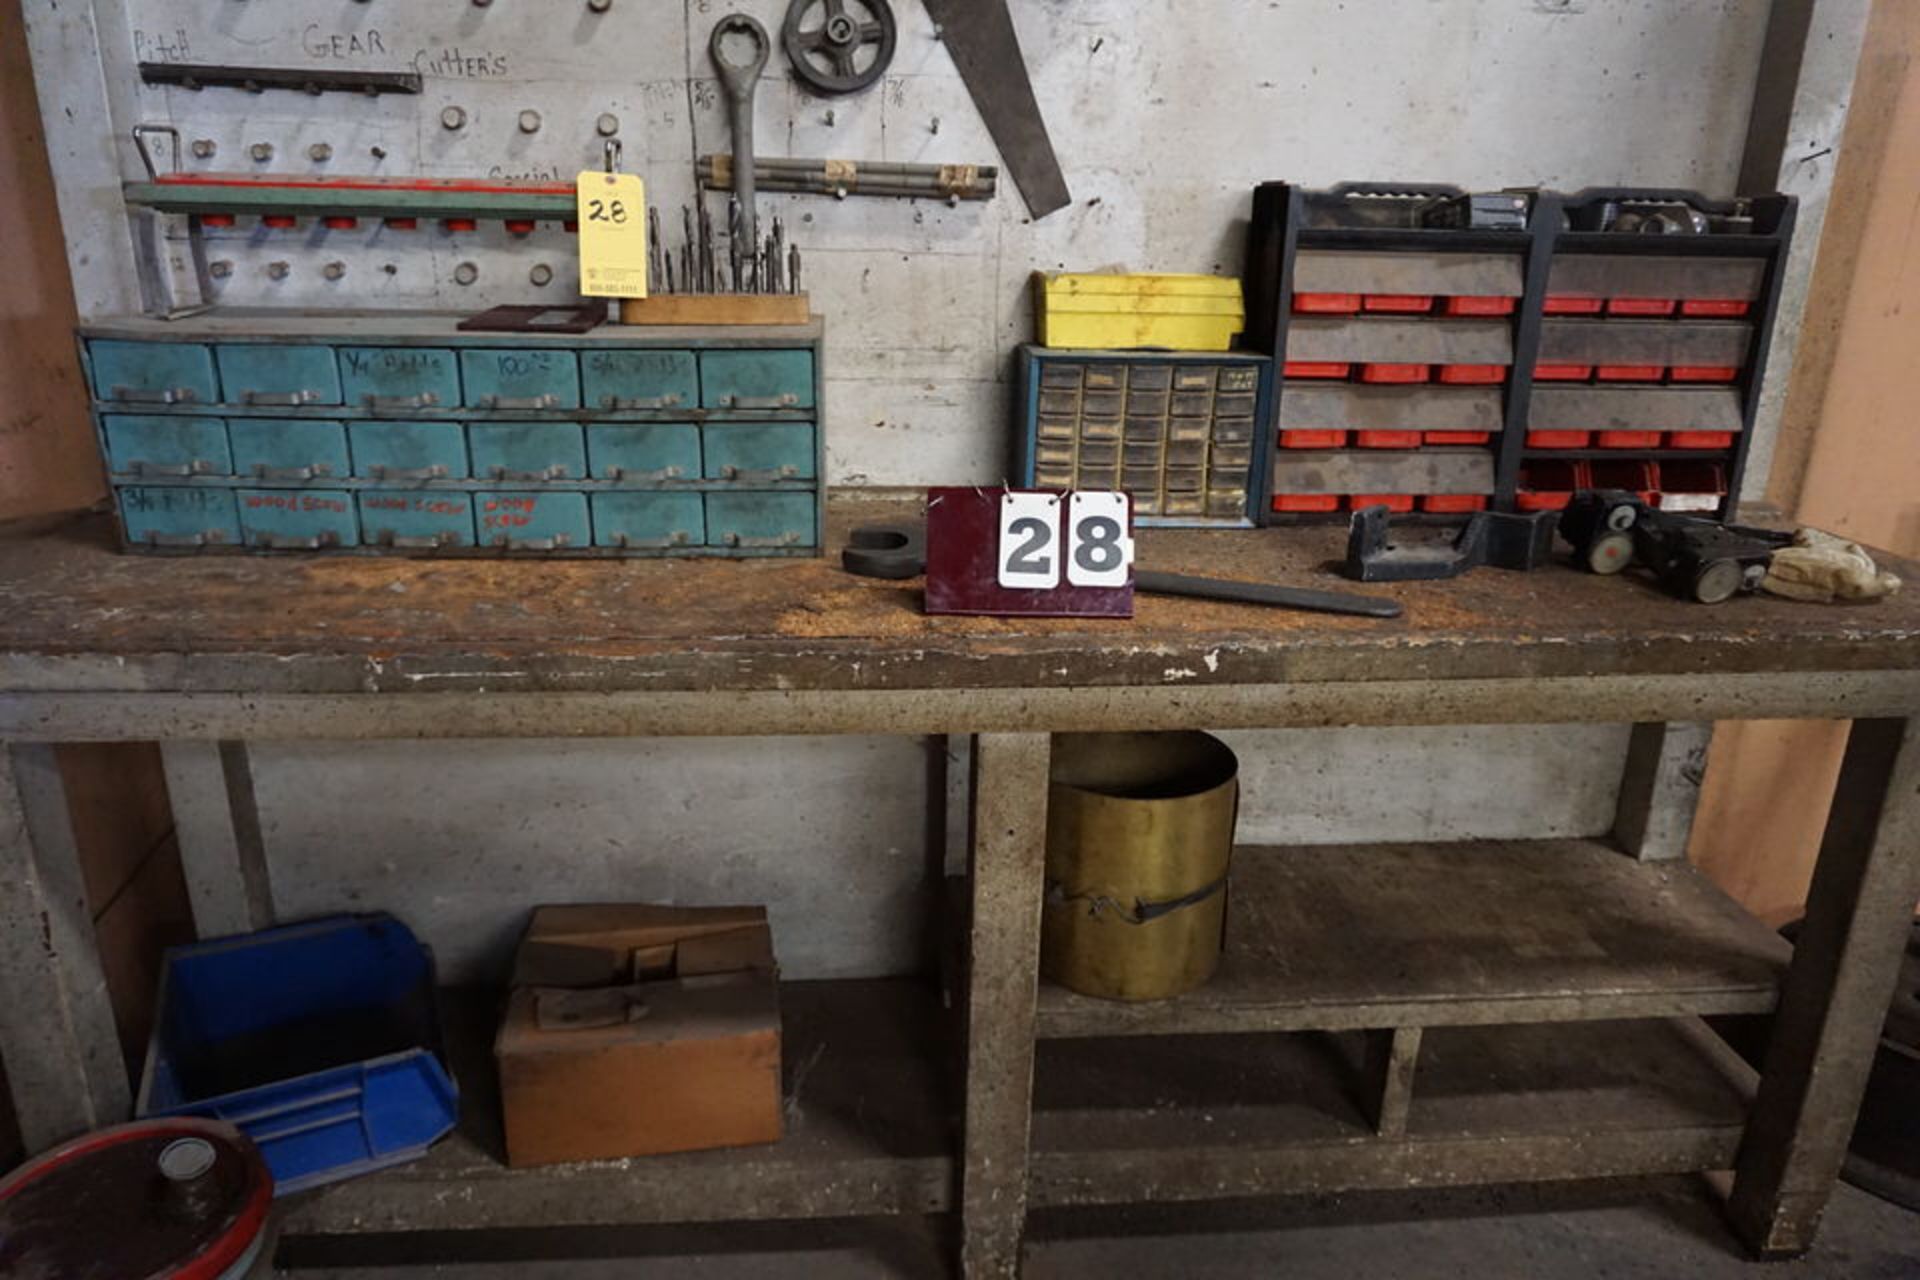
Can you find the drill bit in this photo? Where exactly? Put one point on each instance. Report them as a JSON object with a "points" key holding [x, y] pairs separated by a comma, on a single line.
{"points": [[653, 248], [688, 250], [793, 269], [733, 244], [779, 256]]}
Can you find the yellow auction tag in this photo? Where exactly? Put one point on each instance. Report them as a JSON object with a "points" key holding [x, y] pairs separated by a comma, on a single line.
{"points": [[613, 234]]}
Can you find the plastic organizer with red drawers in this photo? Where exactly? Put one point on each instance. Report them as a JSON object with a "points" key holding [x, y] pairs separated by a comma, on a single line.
{"points": [[1448, 369]]}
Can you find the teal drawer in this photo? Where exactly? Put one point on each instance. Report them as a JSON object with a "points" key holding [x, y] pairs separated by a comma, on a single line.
{"points": [[156, 445], [386, 379], [288, 448], [402, 518], [758, 450], [527, 450], [533, 521], [760, 520], [302, 518], [289, 375], [502, 379], [643, 450], [153, 372], [409, 450], [179, 516], [639, 379], [749, 379], [648, 520]]}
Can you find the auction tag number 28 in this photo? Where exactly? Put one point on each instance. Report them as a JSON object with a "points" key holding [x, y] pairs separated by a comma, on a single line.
{"points": [[1088, 541]]}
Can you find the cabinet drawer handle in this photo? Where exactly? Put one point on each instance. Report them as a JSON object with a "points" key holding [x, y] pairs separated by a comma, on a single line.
{"points": [[787, 539], [786, 400], [435, 472], [141, 467], [678, 538], [155, 538], [558, 471], [287, 542], [155, 395], [418, 542], [664, 473], [290, 398], [547, 401], [787, 472], [640, 402], [425, 400], [291, 473], [555, 543]]}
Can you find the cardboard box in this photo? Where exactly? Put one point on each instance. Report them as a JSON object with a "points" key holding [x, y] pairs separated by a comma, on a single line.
{"points": [[635, 1030]]}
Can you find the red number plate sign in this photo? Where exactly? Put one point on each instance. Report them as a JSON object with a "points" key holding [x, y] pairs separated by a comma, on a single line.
{"points": [[1020, 553]]}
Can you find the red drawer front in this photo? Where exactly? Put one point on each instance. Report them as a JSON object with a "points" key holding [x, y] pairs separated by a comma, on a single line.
{"points": [[1629, 372], [1313, 439], [1323, 303], [1562, 372], [1298, 502], [1387, 439], [1628, 439], [1641, 306], [1700, 439], [1720, 307], [1542, 501], [1480, 305], [1568, 305], [1473, 374], [1400, 302], [1703, 373], [1391, 501], [1453, 503], [1315, 369], [1395, 372], [1455, 437], [1558, 439]]}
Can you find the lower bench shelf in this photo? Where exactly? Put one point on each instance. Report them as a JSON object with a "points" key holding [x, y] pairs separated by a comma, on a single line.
{"points": [[1217, 1117], [1427, 935], [868, 1132]]}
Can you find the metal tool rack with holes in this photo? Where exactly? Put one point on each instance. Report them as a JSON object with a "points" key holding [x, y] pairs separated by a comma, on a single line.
{"points": [[380, 433], [1442, 354]]}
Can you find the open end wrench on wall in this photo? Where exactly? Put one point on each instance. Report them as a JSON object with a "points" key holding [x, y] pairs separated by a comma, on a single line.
{"points": [[740, 79]]}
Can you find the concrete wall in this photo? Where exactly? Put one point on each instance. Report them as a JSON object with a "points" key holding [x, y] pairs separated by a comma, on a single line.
{"points": [[1164, 114]]}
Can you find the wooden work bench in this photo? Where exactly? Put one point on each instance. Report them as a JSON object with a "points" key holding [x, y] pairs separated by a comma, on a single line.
{"points": [[1385, 1016]]}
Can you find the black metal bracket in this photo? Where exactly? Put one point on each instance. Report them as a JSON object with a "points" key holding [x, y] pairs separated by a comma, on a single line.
{"points": [[1505, 540]]}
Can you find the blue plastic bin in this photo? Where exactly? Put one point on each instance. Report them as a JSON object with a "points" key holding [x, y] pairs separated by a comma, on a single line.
{"points": [[320, 1040]]}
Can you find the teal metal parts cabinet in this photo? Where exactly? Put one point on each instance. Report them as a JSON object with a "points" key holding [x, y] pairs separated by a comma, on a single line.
{"points": [[379, 433]]}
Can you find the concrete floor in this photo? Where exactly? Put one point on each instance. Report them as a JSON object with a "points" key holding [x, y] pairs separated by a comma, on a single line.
{"points": [[1590, 1231]]}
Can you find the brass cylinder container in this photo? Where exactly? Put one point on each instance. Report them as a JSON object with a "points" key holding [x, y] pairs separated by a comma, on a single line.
{"points": [[1139, 834]]}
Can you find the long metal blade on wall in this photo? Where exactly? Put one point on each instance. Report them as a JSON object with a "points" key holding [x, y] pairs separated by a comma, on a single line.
{"points": [[979, 35]]}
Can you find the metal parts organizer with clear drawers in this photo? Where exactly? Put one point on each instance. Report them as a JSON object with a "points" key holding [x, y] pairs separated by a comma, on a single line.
{"points": [[1177, 430], [371, 434]]}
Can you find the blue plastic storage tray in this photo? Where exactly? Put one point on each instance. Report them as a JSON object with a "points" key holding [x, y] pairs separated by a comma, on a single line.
{"points": [[321, 1040]]}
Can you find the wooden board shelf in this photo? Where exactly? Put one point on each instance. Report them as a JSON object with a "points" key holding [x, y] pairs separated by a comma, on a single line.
{"points": [[1422, 935], [1215, 1117], [868, 1131]]}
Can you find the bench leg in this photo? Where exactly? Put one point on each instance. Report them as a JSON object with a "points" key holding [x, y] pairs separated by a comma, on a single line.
{"points": [[1846, 960], [1008, 860], [57, 1035], [210, 786]]}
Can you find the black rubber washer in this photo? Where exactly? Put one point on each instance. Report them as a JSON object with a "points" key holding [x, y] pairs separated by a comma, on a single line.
{"points": [[886, 551]]}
